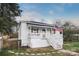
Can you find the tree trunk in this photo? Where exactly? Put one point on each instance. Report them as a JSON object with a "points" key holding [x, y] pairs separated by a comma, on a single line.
{"points": [[1, 41]]}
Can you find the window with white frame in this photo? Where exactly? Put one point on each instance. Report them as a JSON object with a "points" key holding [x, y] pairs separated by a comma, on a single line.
{"points": [[34, 30]]}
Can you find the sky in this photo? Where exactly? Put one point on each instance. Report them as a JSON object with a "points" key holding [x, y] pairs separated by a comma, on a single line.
{"points": [[50, 11]]}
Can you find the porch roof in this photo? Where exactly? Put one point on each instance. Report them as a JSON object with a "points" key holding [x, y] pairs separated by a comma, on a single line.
{"points": [[40, 24]]}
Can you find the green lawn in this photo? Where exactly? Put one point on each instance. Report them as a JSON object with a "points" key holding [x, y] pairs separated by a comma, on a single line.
{"points": [[5, 52], [48, 51], [72, 46]]}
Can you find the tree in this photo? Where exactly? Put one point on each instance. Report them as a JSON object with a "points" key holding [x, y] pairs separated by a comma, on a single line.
{"points": [[66, 25], [8, 12], [69, 31]]}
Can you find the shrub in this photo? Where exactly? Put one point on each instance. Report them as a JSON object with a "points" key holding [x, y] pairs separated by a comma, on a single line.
{"points": [[68, 35]]}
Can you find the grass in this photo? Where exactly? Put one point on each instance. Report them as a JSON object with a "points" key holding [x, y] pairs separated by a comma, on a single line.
{"points": [[72, 46], [5, 52], [35, 51]]}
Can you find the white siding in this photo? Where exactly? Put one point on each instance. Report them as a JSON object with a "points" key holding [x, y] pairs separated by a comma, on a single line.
{"points": [[24, 34], [34, 41]]}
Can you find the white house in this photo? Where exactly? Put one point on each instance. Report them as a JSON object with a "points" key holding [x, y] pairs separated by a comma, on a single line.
{"points": [[38, 34]]}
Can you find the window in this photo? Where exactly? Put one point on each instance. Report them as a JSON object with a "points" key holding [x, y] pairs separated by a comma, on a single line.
{"points": [[43, 30], [34, 30], [60, 32], [54, 31], [49, 30]]}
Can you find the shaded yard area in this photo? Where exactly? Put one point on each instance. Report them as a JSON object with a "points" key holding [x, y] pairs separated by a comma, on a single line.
{"points": [[48, 51], [72, 46]]}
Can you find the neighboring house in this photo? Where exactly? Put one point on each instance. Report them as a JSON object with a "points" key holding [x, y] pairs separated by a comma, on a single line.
{"points": [[37, 34]]}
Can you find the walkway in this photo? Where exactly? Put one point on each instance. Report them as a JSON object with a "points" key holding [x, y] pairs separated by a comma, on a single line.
{"points": [[69, 52]]}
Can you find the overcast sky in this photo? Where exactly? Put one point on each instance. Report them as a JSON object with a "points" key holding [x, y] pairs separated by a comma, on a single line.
{"points": [[50, 11]]}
